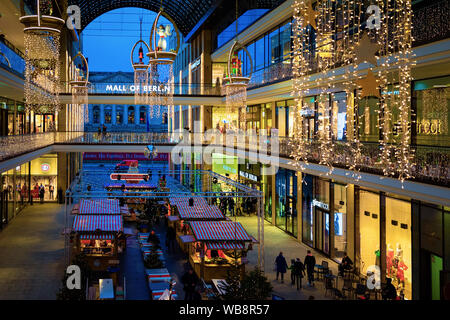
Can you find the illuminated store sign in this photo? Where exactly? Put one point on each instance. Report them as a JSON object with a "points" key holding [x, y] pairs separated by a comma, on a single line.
{"points": [[248, 176], [430, 127], [132, 88], [45, 167], [319, 204]]}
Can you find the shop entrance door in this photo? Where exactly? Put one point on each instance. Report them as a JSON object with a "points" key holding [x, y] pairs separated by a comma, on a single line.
{"points": [[322, 230]]}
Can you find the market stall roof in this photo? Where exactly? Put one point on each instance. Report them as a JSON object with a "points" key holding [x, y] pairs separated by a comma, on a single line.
{"points": [[219, 231], [199, 212], [91, 223], [224, 245], [198, 201], [99, 206]]}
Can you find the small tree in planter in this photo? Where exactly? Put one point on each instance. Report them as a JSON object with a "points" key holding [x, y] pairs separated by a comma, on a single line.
{"points": [[152, 260], [255, 286]]}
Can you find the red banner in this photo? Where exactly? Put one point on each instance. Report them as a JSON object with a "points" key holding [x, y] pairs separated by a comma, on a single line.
{"points": [[119, 156]]}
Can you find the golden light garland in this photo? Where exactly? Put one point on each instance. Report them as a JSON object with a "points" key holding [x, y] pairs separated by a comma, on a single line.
{"points": [[346, 41]]}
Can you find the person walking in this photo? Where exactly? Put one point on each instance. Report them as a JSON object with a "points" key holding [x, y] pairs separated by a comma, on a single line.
{"points": [[310, 263], [291, 267], [299, 273], [281, 266], [189, 281], [41, 193]]}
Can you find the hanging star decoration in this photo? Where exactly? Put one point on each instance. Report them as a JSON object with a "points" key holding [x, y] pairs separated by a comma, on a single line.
{"points": [[310, 16], [369, 85], [365, 50]]}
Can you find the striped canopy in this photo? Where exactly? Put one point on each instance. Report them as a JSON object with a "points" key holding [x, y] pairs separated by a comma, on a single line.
{"points": [[96, 237], [199, 212], [198, 201], [100, 206], [224, 245], [219, 231], [92, 223], [132, 186]]}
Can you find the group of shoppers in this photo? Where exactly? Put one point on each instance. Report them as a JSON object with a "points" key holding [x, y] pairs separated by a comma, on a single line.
{"points": [[297, 268]]}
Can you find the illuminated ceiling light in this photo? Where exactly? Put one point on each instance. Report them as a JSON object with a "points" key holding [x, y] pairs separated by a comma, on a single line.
{"points": [[140, 68]]}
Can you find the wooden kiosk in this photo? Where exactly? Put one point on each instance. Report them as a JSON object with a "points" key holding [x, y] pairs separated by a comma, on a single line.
{"points": [[213, 246]]}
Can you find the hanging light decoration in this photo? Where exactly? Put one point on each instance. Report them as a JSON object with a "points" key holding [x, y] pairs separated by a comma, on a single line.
{"points": [[42, 35], [79, 82], [161, 58], [140, 71], [235, 84]]}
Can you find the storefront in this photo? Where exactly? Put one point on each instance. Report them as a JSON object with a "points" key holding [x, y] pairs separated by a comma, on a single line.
{"points": [[44, 172], [286, 201], [223, 119]]}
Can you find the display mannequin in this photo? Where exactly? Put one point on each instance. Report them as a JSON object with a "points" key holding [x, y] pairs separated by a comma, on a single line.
{"points": [[389, 259], [401, 268]]}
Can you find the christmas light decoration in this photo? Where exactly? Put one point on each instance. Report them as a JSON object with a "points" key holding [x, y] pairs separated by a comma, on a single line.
{"points": [[161, 80], [140, 68], [334, 35], [79, 82], [41, 37]]}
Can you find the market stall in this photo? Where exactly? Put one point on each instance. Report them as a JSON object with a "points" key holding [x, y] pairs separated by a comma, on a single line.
{"points": [[216, 246], [99, 238]]}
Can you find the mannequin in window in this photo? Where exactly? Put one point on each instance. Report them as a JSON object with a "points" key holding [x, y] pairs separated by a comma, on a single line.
{"points": [[389, 259], [401, 268]]}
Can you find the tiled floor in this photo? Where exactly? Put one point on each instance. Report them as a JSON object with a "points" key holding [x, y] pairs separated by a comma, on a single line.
{"points": [[32, 253]]}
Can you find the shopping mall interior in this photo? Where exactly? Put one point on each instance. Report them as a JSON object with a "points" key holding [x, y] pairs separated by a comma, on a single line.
{"points": [[169, 148]]}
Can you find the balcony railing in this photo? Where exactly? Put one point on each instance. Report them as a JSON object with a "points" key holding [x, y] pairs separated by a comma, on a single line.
{"points": [[431, 164]]}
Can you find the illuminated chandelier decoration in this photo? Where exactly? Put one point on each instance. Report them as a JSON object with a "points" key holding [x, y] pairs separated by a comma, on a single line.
{"points": [[388, 34], [235, 84], [79, 82], [140, 68], [42, 65], [161, 79]]}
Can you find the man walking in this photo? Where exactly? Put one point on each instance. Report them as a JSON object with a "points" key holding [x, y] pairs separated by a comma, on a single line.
{"points": [[281, 266], [310, 263]]}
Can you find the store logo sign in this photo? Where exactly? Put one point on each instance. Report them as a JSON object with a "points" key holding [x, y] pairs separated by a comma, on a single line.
{"points": [[248, 176], [45, 167], [319, 204]]}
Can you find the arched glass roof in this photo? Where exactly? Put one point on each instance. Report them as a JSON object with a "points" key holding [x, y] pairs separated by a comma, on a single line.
{"points": [[184, 13]]}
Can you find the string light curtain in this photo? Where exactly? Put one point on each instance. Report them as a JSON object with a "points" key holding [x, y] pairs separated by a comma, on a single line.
{"points": [[333, 34]]}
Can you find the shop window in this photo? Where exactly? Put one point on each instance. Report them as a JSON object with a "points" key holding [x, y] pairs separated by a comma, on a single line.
{"points": [[340, 222], [433, 118], [130, 115], [431, 229], [369, 231], [398, 245], [108, 115], [96, 114], [368, 115], [339, 116], [142, 115], [119, 115], [274, 49], [285, 41]]}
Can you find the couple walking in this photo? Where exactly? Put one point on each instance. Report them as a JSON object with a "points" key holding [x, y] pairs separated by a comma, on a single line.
{"points": [[297, 269]]}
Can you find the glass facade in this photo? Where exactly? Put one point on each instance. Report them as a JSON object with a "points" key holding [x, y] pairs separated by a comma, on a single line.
{"points": [[286, 201], [340, 221], [307, 210]]}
